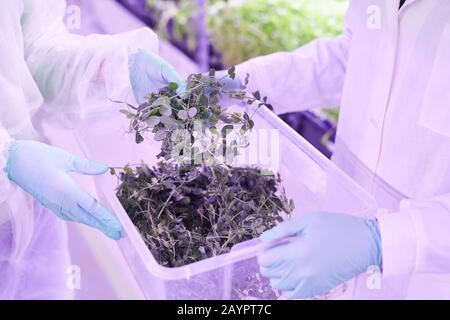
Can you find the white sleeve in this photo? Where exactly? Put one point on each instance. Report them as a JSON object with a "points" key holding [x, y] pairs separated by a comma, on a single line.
{"points": [[78, 75], [310, 77], [417, 239], [6, 187]]}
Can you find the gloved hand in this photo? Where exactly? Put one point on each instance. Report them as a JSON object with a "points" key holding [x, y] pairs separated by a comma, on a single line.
{"points": [[43, 172], [328, 250], [149, 73]]}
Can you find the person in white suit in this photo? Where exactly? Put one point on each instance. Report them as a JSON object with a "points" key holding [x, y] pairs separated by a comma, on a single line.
{"points": [[390, 74], [46, 72]]}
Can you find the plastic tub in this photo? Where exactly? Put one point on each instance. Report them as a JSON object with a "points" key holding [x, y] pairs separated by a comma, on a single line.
{"points": [[309, 178]]}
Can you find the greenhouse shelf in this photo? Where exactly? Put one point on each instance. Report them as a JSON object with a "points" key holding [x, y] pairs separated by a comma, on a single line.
{"points": [[310, 179]]}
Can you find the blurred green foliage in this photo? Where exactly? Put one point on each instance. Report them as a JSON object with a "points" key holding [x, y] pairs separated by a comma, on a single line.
{"points": [[243, 29]]}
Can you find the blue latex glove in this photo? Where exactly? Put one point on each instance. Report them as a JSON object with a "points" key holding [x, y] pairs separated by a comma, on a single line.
{"points": [[43, 172], [149, 73], [329, 249]]}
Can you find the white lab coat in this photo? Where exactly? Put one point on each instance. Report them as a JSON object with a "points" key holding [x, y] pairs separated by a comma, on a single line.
{"points": [[390, 74], [47, 72]]}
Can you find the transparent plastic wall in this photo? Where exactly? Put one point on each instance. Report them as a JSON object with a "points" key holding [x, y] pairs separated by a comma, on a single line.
{"points": [[311, 180]]}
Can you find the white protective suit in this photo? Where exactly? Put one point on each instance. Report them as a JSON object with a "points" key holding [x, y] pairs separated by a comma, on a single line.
{"points": [[390, 74], [45, 71]]}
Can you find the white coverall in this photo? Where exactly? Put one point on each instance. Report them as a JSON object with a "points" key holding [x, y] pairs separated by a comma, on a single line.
{"points": [[390, 74], [45, 71]]}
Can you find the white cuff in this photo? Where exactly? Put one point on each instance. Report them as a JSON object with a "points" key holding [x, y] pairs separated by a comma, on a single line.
{"points": [[398, 241]]}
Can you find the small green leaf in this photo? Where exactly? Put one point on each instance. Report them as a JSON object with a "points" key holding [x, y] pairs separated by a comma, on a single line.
{"points": [[139, 138], [214, 119], [204, 100], [225, 118], [129, 114], [183, 115], [160, 135], [236, 118], [169, 123], [173, 86], [192, 112], [152, 121], [232, 72], [213, 130], [161, 101], [185, 201], [155, 112], [216, 110], [291, 205], [257, 95], [213, 99], [165, 110], [128, 170], [205, 115]]}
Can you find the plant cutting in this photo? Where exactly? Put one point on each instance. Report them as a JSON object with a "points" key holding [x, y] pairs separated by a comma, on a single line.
{"points": [[194, 203], [262, 29]]}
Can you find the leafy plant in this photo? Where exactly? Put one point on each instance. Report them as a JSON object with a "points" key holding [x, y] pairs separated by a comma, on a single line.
{"points": [[193, 125], [187, 211]]}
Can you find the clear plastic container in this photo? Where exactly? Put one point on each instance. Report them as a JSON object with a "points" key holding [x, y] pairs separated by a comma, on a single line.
{"points": [[311, 180]]}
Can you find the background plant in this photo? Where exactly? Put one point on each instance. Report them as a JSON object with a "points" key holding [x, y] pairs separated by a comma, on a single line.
{"points": [[240, 29]]}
